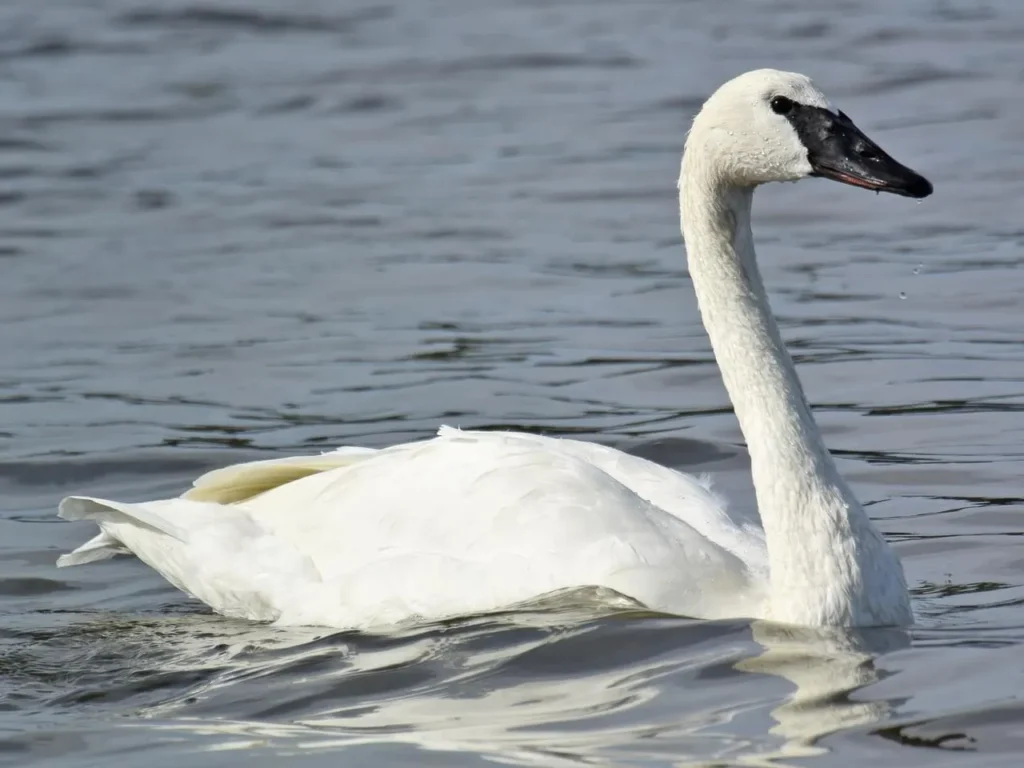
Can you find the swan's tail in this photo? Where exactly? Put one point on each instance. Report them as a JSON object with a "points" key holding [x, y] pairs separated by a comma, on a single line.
{"points": [[110, 516], [99, 547], [217, 553]]}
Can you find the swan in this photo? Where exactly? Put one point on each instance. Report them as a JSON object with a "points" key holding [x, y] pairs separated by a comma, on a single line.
{"points": [[470, 522]]}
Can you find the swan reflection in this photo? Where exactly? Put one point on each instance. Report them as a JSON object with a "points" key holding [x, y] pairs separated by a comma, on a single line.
{"points": [[521, 691]]}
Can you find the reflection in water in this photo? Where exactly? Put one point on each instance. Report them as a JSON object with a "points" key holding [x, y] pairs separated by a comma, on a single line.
{"points": [[522, 689], [826, 665]]}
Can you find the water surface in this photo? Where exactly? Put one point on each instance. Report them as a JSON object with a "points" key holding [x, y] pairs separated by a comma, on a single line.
{"points": [[237, 230]]}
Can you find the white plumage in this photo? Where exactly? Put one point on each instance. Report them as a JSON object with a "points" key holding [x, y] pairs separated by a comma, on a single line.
{"points": [[461, 524]]}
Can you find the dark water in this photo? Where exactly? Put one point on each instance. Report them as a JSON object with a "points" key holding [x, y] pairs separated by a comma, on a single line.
{"points": [[246, 229]]}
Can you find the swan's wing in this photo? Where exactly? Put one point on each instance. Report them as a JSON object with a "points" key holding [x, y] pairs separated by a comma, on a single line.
{"points": [[689, 498], [519, 517], [239, 482]]}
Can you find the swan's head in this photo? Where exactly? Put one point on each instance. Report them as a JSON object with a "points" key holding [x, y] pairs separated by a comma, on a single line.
{"points": [[768, 125]]}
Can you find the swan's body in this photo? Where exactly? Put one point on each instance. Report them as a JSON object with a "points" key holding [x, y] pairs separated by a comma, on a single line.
{"points": [[499, 518], [470, 522]]}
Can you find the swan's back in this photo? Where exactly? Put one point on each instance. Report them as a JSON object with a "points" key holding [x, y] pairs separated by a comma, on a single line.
{"points": [[503, 492]]}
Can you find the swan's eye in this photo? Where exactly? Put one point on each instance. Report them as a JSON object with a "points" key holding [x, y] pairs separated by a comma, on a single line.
{"points": [[781, 105]]}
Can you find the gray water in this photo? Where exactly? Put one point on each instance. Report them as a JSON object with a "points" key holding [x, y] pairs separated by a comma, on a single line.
{"points": [[237, 230]]}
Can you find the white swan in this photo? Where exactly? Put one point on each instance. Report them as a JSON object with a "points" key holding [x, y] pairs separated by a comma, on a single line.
{"points": [[470, 522]]}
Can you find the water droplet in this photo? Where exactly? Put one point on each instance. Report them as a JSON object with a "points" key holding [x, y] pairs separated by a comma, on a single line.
{"points": [[903, 295], [918, 268]]}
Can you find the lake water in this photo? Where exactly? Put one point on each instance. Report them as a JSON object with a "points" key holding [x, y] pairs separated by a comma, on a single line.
{"points": [[236, 230]]}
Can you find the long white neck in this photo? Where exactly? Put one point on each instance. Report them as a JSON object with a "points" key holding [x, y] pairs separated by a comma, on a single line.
{"points": [[828, 564]]}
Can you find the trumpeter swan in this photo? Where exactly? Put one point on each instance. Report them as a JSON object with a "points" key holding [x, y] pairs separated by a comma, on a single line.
{"points": [[469, 522]]}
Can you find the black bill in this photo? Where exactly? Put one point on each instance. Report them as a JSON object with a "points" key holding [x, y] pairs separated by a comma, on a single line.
{"points": [[837, 149]]}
